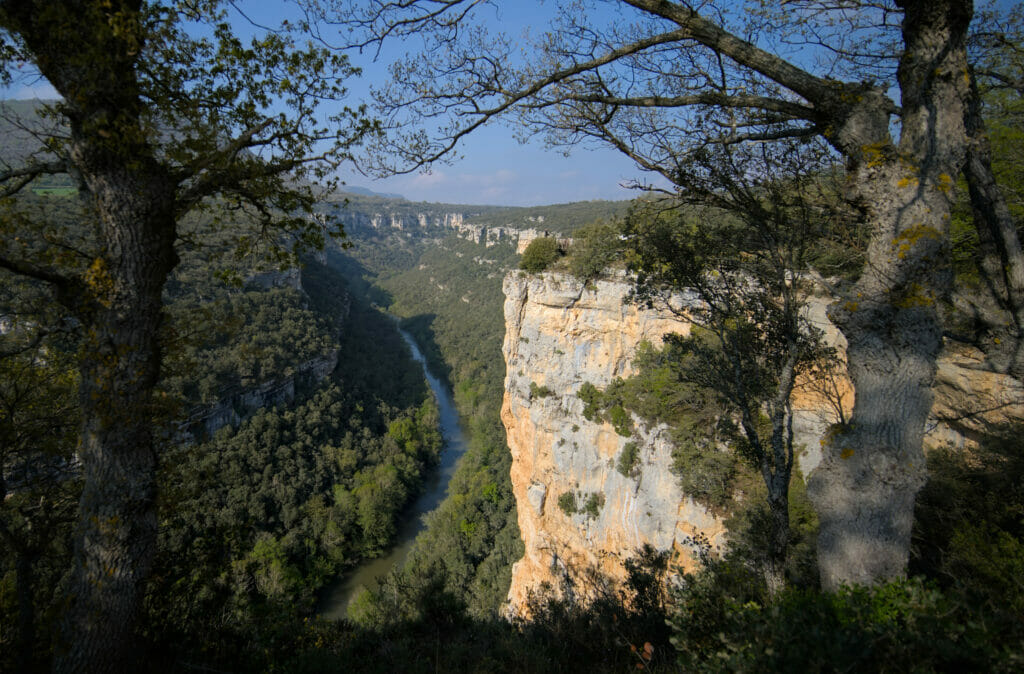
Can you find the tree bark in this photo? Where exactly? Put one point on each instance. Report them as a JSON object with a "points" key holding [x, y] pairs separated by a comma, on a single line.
{"points": [[775, 569], [1002, 261], [116, 534], [88, 52], [873, 467]]}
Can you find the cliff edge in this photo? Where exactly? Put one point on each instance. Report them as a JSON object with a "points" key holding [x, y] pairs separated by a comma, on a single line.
{"points": [[560, 334]]}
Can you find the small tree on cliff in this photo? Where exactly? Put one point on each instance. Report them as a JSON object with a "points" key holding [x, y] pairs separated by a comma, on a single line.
{"points": [[154, 123], [540, 254], [665, 80], [759, 211]]}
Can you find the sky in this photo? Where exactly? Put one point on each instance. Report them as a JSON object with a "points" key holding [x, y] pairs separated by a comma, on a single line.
{"points": [[492, 166]]}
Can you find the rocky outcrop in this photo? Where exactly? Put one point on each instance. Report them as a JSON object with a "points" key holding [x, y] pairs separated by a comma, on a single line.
{"points": [[560, 334], [407, 217]]}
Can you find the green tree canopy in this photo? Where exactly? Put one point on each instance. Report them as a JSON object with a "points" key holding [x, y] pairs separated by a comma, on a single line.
{"points": [[540, 254]]}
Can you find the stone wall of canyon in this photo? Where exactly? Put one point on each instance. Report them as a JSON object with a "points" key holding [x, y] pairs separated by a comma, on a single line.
{"points": [[560, 334]]}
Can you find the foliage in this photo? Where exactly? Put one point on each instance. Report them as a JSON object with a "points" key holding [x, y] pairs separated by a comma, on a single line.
{"points": [[594, 248], [453, 307], [629, 460], [592, 506], [261, 517], [968, 531], [901, 626], [567, 502], [39, 488], [539, 391], [240, 340], [540, 254], [606, 406]]}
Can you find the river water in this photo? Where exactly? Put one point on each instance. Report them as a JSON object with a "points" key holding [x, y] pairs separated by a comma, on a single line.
{"points": [[337, 597]]}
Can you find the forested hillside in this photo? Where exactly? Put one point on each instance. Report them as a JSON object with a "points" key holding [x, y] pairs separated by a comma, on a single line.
{"points": [[305, 474], [208, 417]]}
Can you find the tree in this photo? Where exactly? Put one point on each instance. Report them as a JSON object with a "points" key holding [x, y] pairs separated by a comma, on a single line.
{"points": [[665, 80], [38, 489], [163, 111], [997, 74], [539, 254], [742, 259]]}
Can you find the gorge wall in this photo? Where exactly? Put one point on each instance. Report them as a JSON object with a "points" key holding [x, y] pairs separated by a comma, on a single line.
{"points": [[560, 334]]}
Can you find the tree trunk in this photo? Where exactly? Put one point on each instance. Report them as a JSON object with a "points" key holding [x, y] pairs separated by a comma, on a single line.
{"points": [[1002, 260], [89, 52], [865, 487], [119, 366], [775, 569], [116, 534]]}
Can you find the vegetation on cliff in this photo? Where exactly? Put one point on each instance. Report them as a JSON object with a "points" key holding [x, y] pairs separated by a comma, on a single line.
{"points": [[250, 522]]}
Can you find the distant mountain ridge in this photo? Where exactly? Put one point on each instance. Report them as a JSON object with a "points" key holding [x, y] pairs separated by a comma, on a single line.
{"points": [[376, 215], [366, 192]]}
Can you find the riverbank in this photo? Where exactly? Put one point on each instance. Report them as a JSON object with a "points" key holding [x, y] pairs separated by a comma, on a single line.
{"points": [[337, 597]]}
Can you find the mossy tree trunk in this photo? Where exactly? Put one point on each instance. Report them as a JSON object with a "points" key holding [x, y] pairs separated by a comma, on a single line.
{"points": [[865, 487]]}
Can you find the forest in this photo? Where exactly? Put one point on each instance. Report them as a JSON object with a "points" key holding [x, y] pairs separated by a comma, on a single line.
{"points": [[208, 416]]}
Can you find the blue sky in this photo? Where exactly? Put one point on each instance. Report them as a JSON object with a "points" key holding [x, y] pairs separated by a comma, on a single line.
{"points": [[493, 168]]}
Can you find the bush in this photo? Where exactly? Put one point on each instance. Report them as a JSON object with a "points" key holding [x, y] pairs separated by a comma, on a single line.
{"points": [[540, 254], [567, 502], [594, 504], [903, 626], [620, 420], [628, 460], [595, 247], [539, 391], [591, 398]]}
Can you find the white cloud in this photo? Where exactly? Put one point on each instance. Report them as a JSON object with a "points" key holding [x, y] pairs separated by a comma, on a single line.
{"points": [[428, 180]]}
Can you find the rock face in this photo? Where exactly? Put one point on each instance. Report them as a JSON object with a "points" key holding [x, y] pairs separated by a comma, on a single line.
{"points": [[560, 334]]}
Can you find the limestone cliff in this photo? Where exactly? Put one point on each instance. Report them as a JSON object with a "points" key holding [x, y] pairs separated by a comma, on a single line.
{"points": [[560, 334]]}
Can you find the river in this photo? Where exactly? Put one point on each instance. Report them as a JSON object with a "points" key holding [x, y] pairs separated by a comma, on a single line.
{"points": [[337, 597]]}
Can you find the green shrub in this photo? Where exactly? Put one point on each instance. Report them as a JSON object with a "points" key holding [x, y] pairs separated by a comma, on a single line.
{"points": [[629, 459], [907, 625], [539, 391], [620, 420], [567, 502], [591, 398], [594, 248], [594, 504], [540, 254]]}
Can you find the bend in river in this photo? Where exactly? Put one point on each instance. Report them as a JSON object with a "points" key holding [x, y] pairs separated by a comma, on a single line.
{"points": [[435, 486]]}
